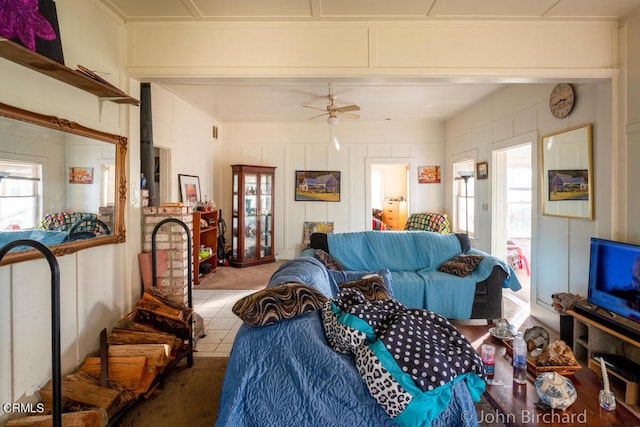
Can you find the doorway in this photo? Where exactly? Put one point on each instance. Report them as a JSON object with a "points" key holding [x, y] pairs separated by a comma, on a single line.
{"points": [[512, 205], [388, 181]]}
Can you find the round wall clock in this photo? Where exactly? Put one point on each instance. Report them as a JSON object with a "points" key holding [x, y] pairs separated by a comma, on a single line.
{"points": [[561, 100]]}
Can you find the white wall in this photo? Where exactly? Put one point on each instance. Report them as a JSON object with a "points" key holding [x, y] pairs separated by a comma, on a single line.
{"points": [[292, 147], [560, 246], [437, 49], [186, 133]]}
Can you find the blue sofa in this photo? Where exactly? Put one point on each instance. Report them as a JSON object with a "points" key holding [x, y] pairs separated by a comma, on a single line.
{"points": [[413, 258]]}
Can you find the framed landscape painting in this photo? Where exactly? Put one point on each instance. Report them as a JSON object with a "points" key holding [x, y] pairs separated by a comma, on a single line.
{"points": [[317, 186], [428, 174], [567, 173], [80, 175]]}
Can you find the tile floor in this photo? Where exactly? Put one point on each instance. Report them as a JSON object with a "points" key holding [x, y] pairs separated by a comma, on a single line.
{"points": [[220, 323]]}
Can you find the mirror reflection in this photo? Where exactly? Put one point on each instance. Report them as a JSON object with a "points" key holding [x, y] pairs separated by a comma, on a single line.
{"points": [[60, 183]]}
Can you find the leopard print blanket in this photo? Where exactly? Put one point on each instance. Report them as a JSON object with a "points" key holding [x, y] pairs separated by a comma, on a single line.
{"points": [[409, 358]]}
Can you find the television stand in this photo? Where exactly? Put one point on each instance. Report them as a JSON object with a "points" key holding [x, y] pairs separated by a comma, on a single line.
{"points": [[593, 335], [613, 321]]}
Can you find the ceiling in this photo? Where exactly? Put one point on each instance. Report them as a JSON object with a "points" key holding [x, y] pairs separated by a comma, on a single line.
{"points": [[281, 100]]}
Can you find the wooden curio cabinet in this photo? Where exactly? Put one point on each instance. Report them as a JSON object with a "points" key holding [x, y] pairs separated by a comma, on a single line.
{"points": [[252, 215]]}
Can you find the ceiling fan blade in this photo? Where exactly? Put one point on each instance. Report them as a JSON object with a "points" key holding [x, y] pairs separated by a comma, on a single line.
{"points": [[348, 108], [349, 115], [319, 115], [315, 108]]}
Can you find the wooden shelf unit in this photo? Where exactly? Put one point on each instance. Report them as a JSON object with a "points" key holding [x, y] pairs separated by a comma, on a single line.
{"points": [[40, 63], [591, 336], [207, 237]]}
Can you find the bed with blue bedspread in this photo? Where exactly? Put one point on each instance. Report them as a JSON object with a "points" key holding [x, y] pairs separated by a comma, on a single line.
{"points": [[56, 229], [287, 374], [46, 237]]}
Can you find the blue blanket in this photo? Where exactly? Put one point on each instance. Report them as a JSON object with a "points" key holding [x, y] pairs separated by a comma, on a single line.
{"points": [[413, 258], [46, 237], [286, 374], [395, 250]]}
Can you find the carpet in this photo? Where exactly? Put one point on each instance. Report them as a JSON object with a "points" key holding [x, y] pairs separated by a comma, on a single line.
{"points": [[185, 397], [246, 278]]}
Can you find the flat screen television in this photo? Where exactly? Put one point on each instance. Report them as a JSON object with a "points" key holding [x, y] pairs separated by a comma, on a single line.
{"points": [[614, 278]]}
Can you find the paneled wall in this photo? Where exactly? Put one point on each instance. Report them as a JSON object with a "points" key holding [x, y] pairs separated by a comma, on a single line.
{"points": [[560, 246], [292, 147]]}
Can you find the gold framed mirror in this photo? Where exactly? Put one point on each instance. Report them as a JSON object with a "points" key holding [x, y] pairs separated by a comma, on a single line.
{"points": [[566, 170], [61, 183]]}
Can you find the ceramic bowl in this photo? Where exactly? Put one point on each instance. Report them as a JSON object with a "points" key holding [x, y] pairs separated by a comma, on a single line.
{"points": [[555, 390]]}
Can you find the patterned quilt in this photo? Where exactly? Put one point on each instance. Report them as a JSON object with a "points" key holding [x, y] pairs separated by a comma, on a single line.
{"points": [[408, 358], [429, 222]]}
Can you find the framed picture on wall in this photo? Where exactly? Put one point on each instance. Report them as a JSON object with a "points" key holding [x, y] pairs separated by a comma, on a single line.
{"points": [[566, 170], [428, 174], [482, 170], [317, 186], [80, 175], [189, 189]]}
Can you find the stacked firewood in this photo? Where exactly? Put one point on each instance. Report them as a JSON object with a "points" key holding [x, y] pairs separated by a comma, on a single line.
{"points": [[138, 350]]}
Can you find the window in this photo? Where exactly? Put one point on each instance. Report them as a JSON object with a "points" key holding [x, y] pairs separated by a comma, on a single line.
{"points": [[20, 194], [464, 196]]}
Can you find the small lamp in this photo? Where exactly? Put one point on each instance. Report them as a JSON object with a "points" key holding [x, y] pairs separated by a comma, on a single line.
{"points": [[466, 175]]}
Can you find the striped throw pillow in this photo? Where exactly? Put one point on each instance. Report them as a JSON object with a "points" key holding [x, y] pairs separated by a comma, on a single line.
{"points": [[278, 303]]}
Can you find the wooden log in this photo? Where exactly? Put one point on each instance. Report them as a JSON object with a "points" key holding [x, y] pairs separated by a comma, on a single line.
{"points": [[129, 336], [87, 395], [158, 355], [163, 318], [129, 322], [90, 418], [132, 373], [154, 294], [150, 303], [124, 398]]}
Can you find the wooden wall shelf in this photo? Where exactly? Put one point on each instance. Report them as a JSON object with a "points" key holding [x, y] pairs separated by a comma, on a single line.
{"points": [[34, 61]]}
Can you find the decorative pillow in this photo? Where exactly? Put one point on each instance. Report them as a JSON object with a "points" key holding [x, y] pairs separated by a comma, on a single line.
{"points": [[372, 287], [461, 265], [339, 277], [329, 261], [278, 303]]}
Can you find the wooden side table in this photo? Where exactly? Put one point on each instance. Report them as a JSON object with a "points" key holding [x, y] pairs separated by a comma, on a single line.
{"points": [[515, 405]]}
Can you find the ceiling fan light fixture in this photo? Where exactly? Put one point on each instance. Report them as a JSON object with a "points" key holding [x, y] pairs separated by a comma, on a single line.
{"points": [[332, 120]]}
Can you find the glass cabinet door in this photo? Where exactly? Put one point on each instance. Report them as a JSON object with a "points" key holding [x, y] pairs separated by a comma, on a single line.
{"points": [[234, 218], [266, 183], [250, 216]]}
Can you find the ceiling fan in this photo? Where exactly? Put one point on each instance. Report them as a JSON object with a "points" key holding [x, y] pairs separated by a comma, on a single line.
{"points": [[334, 112]]}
